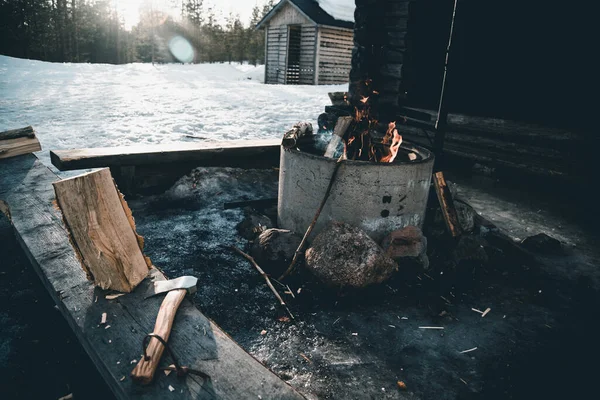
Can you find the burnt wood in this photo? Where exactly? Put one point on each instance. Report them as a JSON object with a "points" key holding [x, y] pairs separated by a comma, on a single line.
{"points": [[26, 187]]}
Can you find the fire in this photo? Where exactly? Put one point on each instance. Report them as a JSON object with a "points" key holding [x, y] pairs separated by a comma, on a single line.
{"points": [[362, 140]]}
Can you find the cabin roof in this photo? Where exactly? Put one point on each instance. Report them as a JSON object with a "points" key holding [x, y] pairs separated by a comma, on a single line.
{"points": [[311, 10]]}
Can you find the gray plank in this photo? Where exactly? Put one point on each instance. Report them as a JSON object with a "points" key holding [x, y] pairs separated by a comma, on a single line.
{"points": [[26, 186]]}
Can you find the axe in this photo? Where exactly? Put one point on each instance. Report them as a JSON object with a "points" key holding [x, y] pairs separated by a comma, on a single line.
{"points": [[176, 290]]}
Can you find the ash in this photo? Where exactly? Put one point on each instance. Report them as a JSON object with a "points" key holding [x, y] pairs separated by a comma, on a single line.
{"points": [[358, 345]]}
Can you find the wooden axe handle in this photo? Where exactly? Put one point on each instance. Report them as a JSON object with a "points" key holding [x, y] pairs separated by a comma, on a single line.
{"points": [[144, 371]]}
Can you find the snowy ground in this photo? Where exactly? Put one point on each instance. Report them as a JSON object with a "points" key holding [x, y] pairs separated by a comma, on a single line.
{"points": [[98, 105]]}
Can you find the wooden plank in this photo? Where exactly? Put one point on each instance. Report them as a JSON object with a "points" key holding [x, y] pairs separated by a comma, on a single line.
{"points": [[239, 153], [26, 186], [101, 231], [18, 146]]}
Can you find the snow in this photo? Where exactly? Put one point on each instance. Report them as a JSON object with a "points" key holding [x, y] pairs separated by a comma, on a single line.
{"points": [[342, 10], [99, 105]]}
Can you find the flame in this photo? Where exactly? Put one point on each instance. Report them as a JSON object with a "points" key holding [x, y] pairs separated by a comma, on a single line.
{"points": [[394, 147]]}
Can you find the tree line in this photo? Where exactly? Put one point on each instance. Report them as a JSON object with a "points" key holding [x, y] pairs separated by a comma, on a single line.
{"points": [[94, 31]]}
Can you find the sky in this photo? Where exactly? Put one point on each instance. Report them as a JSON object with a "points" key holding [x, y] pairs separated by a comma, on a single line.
{"points": [[129, 8]]}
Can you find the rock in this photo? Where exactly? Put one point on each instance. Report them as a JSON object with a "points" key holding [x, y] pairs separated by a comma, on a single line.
{"points": [[254, 224], [407, 243], [542, 243], [275, 248], [345, 256], [466, 215], [471, 250]]}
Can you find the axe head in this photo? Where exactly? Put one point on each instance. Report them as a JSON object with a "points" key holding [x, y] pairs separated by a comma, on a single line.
{"points": [[184, 282]]}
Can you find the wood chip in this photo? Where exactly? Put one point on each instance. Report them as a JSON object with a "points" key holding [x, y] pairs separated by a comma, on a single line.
{"points": [[412, 156], [67, 397], [171, 388], [487, 310], [468, 351], [113, 296], [431, 327], [283, 319], [401, 385], [463, 381], [305, 357], [103, 320], [122, 379], [299, 290], [107, 326], [477, 311], [354, 334], [263, 332], [167, 372]]}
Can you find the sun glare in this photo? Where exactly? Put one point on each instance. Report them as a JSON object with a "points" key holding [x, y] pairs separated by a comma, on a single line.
{"points": [[130, 10]]}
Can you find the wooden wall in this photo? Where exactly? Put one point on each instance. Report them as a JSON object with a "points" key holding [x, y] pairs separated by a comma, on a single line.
{"points": [[276, 53], [334, 55]]}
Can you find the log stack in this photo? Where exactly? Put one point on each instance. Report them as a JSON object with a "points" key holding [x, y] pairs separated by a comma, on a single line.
{"points": [[17, 142]]}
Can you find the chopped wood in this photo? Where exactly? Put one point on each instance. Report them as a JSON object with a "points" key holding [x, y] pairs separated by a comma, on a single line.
{"points": [[263, 332], [447, 204], [101, 231], [67, 397], [301, 129], [18, 142], [103, 320], [412, 156], [487, 310], [468, 351], [171, 388], [477, 311], [266, 278], [431, 327], [342, 125], [401, 385], [26, 132], [113, 296]]}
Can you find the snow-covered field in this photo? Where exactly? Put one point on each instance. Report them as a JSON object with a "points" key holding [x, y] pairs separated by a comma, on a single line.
{"points": [[97, 105]]}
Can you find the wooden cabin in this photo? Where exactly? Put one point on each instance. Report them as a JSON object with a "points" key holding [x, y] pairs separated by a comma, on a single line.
{"points": [[306, 45]]}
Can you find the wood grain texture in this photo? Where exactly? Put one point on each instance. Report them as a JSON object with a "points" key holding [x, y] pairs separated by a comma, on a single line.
{"points": [[447, 204], [19, 146], [241, 152], [26, 187], [101, 230]]}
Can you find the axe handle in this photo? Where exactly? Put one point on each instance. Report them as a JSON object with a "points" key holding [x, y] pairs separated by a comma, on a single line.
{"points": [[144, 371]]}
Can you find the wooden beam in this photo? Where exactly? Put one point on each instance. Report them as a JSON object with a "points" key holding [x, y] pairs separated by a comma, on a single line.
{"points": [[101, 231], [26, 186], [17, 142], [447, 204], [231, 153]]}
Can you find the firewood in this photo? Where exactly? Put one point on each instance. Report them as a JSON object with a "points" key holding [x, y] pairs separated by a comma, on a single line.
{"points": [[342, 125], [101, 231], [447, 204], [301, 129], [18, 142]]}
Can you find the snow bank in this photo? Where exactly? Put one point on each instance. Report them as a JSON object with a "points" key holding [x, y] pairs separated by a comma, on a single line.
{"points": [[99, 105], [342, 10]]}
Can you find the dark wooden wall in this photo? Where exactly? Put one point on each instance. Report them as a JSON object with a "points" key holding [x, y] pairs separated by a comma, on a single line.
{"points": [[528, 60]]}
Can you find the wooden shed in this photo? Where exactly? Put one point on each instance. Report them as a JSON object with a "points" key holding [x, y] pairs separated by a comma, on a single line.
{"points": [[307, 45]]}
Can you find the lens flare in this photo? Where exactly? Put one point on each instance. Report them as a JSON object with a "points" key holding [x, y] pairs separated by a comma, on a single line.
{"points": [[181, 49]]}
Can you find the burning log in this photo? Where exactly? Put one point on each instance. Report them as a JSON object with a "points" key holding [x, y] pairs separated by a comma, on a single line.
{"points": [[300, 130], [342, 125]]}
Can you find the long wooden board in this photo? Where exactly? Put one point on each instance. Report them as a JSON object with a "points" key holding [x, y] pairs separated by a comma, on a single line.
{"points": [[228, 153], [26, 187]]}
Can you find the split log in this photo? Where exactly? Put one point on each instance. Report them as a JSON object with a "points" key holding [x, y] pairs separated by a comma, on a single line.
{"points": [[17, 142], [301, 129], [342, 125], [447, 204], [101, 231]]}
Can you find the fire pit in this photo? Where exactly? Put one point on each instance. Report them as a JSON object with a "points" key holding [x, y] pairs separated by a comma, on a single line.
{"points": [[376, 197]]}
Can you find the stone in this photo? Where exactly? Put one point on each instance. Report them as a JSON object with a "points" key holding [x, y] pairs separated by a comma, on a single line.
{"points": [[345, 256], [542, 243], [407, 244], [254, 224], [275, 248], [471, 250], [466, 215]]}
